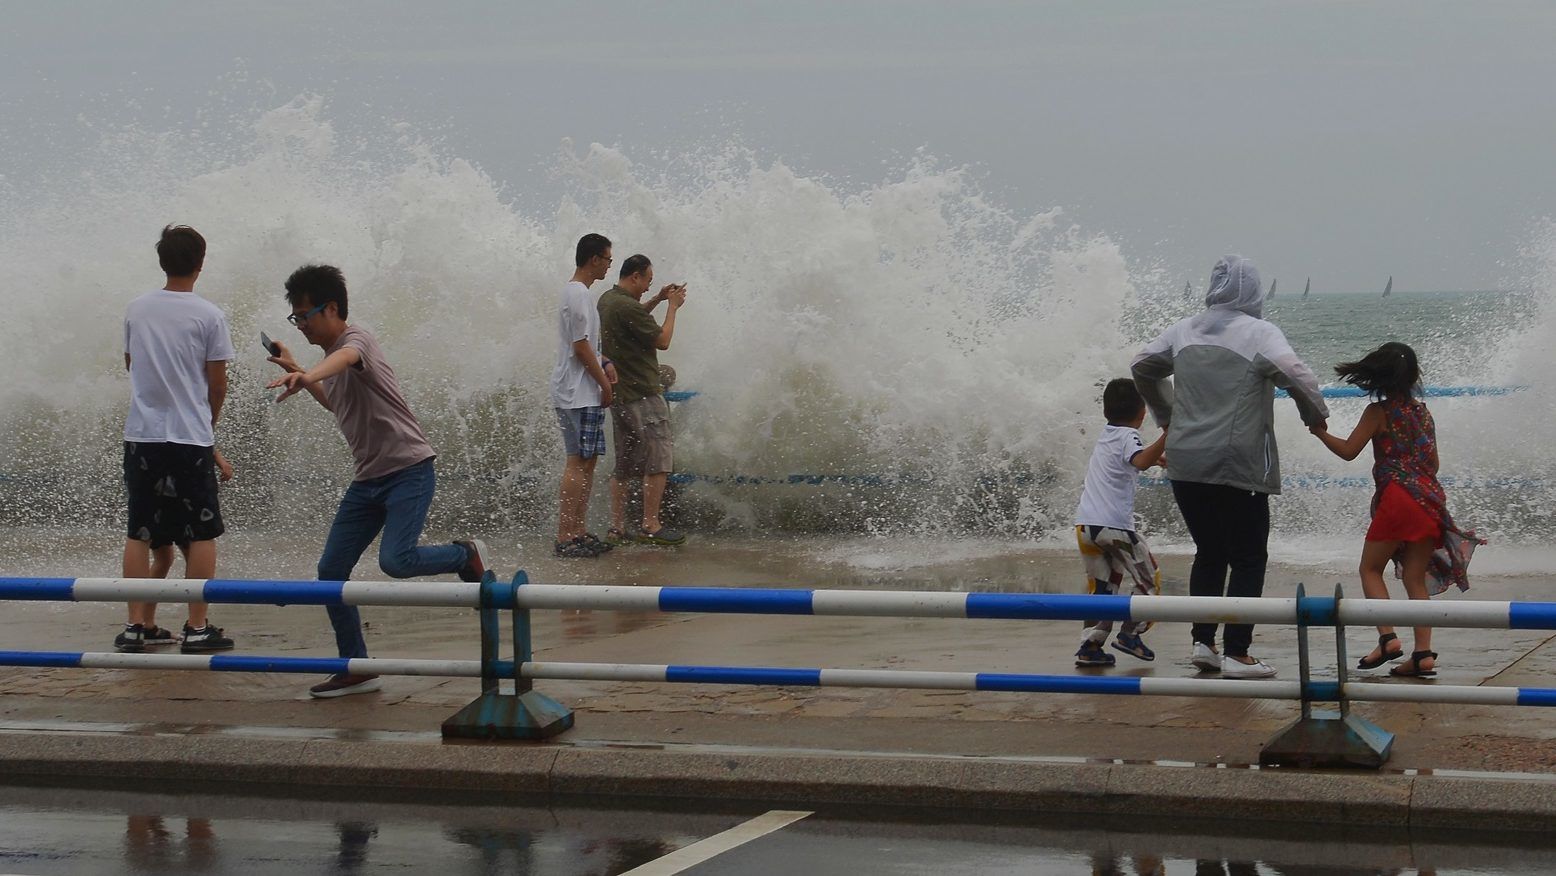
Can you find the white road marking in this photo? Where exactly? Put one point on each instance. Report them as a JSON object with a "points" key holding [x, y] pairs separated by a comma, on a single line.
{"points": [[718, 844]]}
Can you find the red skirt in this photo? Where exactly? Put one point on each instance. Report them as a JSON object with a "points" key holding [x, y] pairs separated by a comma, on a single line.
{"points": [[1398, 517]]}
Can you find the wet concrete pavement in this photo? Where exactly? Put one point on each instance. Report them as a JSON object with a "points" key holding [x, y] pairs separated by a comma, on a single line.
{"points": [[45, 831], [835, 722]]}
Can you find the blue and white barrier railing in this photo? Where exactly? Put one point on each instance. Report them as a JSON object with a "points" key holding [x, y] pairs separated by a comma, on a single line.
{"points": [[773, 676], [242, 663], [1040, 606], [523, 713], [1324, 739], [244, 591], [527, 714]]}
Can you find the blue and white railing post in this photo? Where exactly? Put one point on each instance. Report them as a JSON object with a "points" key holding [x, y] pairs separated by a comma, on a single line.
{"points": [[524, 714], [1326, 738]]}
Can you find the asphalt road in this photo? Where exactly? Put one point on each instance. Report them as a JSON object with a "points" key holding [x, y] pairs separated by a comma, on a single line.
{"points": [[88, 831]]}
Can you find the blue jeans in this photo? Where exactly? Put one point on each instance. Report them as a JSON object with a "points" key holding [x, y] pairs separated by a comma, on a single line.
{"points": [[396, 504]]}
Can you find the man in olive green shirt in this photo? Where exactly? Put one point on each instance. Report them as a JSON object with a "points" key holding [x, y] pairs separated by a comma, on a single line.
{"points": [[640, 419]]}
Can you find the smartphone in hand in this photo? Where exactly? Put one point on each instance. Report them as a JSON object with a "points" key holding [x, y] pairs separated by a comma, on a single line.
{"points": [[271, 346]]}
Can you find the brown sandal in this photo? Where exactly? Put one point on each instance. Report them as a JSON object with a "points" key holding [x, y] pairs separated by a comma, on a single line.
{"points": [[1412, 667]]}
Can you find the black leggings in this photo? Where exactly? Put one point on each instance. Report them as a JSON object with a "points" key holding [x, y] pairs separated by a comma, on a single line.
{"points": [[1231, 529]]}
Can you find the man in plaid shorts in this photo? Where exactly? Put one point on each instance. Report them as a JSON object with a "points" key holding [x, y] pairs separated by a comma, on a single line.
{"points": [[581, 391]]}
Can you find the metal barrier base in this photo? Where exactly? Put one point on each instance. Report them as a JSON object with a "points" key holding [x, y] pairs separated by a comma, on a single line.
{"points": [[1327, 740], [493, 715]]}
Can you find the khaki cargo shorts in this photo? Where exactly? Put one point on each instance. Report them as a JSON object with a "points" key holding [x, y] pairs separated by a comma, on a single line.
{"points": [[642, 433]]}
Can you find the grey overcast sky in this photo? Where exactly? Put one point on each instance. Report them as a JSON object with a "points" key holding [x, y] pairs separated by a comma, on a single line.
{"points": [[1343, 140]]}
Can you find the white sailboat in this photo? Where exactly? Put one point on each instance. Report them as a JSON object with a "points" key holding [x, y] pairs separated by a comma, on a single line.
{"points": [[1390, 287], [1307, 288], [1272, 289]]}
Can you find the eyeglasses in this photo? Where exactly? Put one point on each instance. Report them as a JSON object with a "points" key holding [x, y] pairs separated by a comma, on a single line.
{"points": [[294, 319]]}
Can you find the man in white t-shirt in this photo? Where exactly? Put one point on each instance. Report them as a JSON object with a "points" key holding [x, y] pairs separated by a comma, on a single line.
{"points": [[1105, 521], [176, 348], [581, 392]]}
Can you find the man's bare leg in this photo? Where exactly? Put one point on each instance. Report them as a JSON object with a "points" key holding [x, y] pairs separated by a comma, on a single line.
{"points": [[577, 483], [199, 562], [161, 564], [621, 493], [653, 493], [137, 564]]}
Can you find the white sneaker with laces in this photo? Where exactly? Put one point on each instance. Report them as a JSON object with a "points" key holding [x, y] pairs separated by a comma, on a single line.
{"points": [[1205, 658], [1231, 667]]}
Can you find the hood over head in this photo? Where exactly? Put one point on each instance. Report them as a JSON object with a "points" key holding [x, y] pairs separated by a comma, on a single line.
{"points": [[1234, 285]]}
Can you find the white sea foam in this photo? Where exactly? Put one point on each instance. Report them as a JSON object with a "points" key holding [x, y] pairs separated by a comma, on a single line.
{"points": [[933, 352]]}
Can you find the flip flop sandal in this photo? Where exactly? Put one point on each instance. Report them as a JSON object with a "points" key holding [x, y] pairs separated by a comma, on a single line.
{"points": [[1383, 647], [1412, 667]]}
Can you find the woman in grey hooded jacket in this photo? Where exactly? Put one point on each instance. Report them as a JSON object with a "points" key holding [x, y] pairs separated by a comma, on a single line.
{"points": [[1219, 413]]}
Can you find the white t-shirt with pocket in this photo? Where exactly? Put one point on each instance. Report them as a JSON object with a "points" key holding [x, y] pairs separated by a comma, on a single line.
{"points": [[1108, 497], [579, 319], [169, 337]]}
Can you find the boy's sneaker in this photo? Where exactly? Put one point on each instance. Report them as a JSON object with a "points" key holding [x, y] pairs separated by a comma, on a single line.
{"points": [[157, 637], [204, 640], [1205, 658], [1091, 654], [475, 566], [1133, 645], [131, 641], [1231, 667], [343, 685]]}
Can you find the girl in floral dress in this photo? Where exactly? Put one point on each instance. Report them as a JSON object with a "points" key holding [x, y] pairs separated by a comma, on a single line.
{"points": [[1410, 520]]}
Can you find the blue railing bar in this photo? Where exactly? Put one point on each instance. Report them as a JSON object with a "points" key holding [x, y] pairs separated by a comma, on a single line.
{"points": [[243, 663], [1426, 391], [681, 395], [1314, 610], [238, 591], [770, 676], [1289, 482]]}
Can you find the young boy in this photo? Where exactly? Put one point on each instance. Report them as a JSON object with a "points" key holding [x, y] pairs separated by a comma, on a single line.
{"points": [[395, 477], [176, 348], [1105, 520]]}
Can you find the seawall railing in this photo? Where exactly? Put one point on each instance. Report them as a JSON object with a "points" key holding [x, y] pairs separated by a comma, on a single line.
{"points": [[1316, 739]]}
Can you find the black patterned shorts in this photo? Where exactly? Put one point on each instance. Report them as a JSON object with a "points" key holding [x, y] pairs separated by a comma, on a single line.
{"points": [[172, 492]]}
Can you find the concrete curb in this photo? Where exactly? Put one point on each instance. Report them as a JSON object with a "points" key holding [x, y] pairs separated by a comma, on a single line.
{"points": [[365, 768]]}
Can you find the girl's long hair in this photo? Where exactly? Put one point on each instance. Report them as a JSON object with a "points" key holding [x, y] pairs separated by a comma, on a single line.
{"points": [[1389, 371]]}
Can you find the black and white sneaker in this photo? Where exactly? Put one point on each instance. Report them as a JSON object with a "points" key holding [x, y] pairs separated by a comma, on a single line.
{"points": [[157, 637], [475, 566], [131, 641], [204, 640], [343, 685]]}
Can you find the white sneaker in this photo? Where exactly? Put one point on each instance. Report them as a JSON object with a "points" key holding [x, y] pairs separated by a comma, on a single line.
{"points": [[1234, 668], [1205, 658]]}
